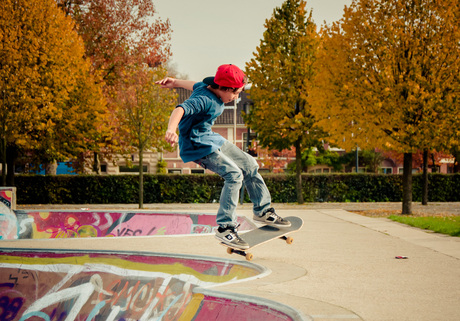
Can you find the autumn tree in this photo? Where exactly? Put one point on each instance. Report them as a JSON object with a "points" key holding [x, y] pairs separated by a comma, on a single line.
{"points": [[392, 68], [275, 161], [45, 82], [282, 72], [143, 113], [118, 35]]}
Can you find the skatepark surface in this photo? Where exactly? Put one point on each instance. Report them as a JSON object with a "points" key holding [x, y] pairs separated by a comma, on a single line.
{"points": [[341, 265]]}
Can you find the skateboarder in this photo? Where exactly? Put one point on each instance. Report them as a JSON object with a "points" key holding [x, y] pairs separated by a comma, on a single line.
{"points": [[199, 144]]}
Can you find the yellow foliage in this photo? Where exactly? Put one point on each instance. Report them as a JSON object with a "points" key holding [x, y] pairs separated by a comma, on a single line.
{"points": [[392, 71], [45, 79], [144, 107], [282, 75]]}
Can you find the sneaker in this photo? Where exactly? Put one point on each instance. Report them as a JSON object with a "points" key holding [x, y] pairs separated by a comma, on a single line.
{"points": [[271, 218], [230, 236]]}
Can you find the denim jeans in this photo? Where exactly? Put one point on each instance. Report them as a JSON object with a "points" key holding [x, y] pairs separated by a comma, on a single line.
{"points": [[236, 167]]}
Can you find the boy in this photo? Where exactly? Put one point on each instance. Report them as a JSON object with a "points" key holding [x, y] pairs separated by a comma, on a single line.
{"points": [[199, 144]]}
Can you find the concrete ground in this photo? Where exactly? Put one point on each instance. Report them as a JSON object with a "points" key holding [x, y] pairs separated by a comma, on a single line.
{"points": [[341, 265]]}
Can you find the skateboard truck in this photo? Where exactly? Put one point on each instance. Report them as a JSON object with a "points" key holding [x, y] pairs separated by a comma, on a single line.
{"points": [[250, 256]]}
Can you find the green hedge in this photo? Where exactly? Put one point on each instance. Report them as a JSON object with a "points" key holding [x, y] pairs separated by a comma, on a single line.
{"points": [[123, 189]]}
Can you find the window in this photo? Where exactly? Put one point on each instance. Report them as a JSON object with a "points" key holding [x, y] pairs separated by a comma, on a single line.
{"points": [[197, 171], [174, 171], [252, 137], [401, 170], [132, 169], [103, 168], [386, 170]]}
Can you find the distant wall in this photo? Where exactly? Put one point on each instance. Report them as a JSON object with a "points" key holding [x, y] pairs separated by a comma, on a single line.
{"points": [[83, 223], [8, 197], [8, 222]]}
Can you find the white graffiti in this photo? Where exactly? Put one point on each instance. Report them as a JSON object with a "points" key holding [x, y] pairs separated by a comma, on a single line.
{"points": [[8, 223], [135, 292]]}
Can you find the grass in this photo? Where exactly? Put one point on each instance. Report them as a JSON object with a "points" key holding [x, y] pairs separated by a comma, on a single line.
{"points": [[444, 223], [449, 225]]}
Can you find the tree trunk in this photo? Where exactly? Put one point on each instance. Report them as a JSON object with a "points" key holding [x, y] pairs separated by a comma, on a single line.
{"points": [[96, 163], [298, 176], [456, 154], [141, 178], [407, 185], [11, 155], [4, 161], [425, 178], [435, 170], [51, 168]]}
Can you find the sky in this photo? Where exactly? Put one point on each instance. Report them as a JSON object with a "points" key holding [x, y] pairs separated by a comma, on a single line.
{"points": [[209, 33]]}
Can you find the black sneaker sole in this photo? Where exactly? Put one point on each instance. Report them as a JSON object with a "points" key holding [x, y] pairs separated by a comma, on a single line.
{"points": [[233, 245], [270, 224]]}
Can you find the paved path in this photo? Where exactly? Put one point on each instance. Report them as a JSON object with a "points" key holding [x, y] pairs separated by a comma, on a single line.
{"points": [[341, 266]]}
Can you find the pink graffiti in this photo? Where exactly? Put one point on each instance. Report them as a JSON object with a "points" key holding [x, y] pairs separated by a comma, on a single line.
{"points": [[142, 225], [74, 224]]}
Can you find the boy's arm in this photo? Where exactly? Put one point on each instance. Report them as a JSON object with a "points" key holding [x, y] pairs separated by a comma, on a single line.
{"points": [[169, 82], [174, 120]]}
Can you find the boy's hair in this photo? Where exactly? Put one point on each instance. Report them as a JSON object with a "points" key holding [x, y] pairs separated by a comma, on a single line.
{"points": [[216, 86]]}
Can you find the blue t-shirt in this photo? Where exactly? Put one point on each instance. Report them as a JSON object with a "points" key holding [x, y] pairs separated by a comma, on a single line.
{"points": [[196, 139]]}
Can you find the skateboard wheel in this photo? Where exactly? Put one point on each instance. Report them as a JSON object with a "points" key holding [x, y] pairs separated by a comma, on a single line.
{"points": [[289, 240], [249, 256], [229, 250]]}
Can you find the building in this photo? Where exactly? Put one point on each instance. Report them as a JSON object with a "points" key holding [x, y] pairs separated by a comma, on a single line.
{"points": [[232, 127]]}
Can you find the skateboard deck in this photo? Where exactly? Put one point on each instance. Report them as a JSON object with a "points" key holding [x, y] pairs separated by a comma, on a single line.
{"points": [[265, 234]]}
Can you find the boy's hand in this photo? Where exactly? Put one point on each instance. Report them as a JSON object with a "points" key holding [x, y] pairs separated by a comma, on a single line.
{"points": [[171, 137], [167, 82]]}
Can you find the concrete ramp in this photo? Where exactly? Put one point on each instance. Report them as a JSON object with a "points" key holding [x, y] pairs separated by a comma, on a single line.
{"points": [[50, 224], [84, 285]]}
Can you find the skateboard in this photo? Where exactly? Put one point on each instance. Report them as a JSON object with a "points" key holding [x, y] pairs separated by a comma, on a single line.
{"points": [[264, 234]]}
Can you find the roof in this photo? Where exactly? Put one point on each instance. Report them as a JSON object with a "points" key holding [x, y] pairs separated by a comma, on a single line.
{"points": [[227, 116]]}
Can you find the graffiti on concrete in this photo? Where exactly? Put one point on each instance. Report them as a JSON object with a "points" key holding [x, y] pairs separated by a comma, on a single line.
{"points": [[58, 286], [212, 307], [8, 223], [73, 224], [7, 195]]}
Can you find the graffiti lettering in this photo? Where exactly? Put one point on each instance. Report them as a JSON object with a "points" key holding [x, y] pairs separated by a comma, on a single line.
{"points": [[81, 293], [72, 224], [21, 274], [128, 232], [128, 295], [112, 287], [24, 224], [9, 307], [15, 279], [165, 297], [8, 223]]}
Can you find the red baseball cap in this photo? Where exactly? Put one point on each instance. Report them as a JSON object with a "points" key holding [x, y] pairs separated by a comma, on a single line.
{"points": [[227, 76]]}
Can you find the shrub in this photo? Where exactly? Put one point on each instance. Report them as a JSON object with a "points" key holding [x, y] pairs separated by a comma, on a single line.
{"points": [[164, 188]]}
